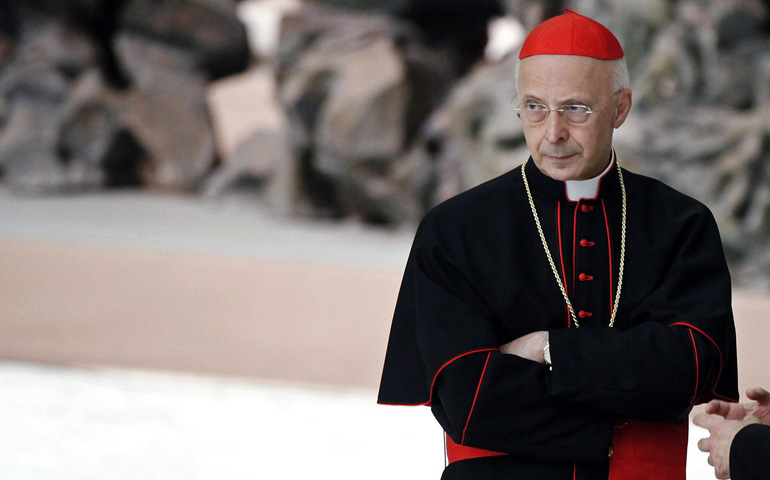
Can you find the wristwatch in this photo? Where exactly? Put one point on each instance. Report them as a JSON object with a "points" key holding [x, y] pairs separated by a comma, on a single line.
{"points": [[547, 353]]}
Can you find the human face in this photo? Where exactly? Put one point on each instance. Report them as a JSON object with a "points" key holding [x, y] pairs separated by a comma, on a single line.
{"points": [[560, 150]]}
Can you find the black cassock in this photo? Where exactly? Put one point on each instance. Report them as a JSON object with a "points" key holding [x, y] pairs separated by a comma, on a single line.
{"points": [[478, 277], [750, 453]]}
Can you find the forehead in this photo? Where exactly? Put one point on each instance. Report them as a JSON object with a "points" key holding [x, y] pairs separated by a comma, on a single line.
{"points": [[563, 77]]}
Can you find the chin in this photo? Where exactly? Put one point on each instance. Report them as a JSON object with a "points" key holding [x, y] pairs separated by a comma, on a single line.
{"points": [[562, 173], [567, 169]]}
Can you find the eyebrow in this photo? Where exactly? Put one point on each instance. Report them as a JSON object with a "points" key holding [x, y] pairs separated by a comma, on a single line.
{"points": [[534, 99], [530, 99]]}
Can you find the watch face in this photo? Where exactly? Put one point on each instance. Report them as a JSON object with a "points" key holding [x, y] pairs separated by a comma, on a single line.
{"points": [[547, 354]]}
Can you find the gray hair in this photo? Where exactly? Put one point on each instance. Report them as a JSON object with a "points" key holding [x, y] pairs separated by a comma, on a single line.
{"points": [[620, 79]]}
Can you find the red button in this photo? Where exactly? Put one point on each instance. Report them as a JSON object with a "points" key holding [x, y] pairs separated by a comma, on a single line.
{"points": [[583, 314], [586, 208], [584, 278], [586, 243]]}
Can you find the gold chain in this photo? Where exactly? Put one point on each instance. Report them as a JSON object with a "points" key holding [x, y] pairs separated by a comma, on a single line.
{"points": [[550, 258]]}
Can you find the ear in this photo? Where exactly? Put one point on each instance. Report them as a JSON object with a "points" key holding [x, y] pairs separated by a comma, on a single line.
{"points": [[622, 107]]}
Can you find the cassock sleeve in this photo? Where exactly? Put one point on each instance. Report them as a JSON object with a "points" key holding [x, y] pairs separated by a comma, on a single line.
{"points": [[750, 453], [481, 397], [679, 349]]}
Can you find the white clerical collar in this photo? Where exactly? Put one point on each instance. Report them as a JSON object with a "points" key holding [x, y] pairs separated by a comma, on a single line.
{"points": [[586, 189]]}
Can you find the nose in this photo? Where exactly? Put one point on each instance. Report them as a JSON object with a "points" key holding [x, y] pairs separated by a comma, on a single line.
{"points": [[556, 130]]}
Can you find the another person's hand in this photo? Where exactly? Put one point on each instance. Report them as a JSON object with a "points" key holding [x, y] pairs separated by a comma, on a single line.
{"points": [[529, 346], [724, 420], [760, 408], [718, 443]]}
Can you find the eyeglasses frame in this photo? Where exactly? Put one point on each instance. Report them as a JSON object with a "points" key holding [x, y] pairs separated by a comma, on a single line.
{"points": [[561, 108]]}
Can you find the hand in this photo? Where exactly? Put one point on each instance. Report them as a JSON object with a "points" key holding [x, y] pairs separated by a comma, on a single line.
{"points": [[727, 410], [760, 408], [529, 346], [722, 431], [718, 443]]}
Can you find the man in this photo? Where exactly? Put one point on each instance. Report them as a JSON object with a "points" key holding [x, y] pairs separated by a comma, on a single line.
{"points": [[562, 319], [739, 440]]}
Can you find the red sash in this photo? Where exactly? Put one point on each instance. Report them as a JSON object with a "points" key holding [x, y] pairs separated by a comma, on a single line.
{"points": [[456, 452], [641, 451], [645, 450]]}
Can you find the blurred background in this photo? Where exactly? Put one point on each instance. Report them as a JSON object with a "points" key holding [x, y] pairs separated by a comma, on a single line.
{"points": [[206, 207]]}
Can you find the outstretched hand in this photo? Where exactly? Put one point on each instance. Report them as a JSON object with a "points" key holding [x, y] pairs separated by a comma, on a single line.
{"points": [[718, 443], [760, 408], [724, 420]]}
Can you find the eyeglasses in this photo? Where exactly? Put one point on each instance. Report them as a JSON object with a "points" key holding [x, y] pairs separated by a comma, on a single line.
{"points": [[534, 113]]}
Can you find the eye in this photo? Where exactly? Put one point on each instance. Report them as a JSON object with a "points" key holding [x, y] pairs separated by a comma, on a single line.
{"points": [[535, 107], [576, 108]]}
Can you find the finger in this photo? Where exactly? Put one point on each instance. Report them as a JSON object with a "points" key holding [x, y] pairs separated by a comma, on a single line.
{"points": [[721, 474], [759, 395], [718, 407], [712, 406], [704, 445], [705, 421]]}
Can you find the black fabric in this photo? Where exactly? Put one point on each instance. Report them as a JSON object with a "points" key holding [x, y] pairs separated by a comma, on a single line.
{"points": [[477, 277], [750, 453]]}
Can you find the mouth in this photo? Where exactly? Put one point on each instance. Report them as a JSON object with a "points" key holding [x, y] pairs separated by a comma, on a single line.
{"points": [[559, 158]]}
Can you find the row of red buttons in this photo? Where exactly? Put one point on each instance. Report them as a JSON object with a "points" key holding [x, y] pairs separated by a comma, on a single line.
{"points": [[583, 277]]}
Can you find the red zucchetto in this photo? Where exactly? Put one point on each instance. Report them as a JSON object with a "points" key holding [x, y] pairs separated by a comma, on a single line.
{"points": [[572, 34]]}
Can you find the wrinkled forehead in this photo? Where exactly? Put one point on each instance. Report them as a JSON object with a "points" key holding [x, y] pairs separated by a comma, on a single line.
{"points": [[564, 76]]}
